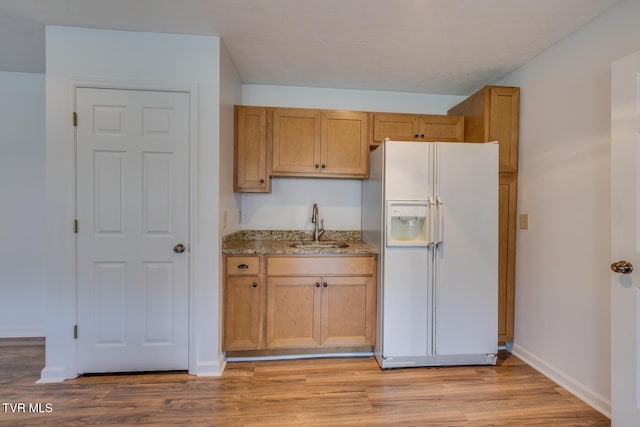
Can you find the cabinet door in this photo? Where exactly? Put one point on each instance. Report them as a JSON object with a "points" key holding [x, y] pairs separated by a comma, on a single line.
{"points": [[242, 313], [492, 114], [296, 141], [507, 198], [251, 149], [396, 127], [441, 128], [348, 311], [345, 144], [504, 124], [293, 312]]}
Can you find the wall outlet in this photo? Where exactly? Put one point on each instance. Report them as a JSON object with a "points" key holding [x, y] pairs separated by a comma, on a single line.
{"points": [[524, 221]]}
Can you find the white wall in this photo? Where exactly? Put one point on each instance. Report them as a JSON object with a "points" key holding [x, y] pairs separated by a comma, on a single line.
{"points": [[139, 60], [229, 221], [230, 95], [562, 277], [22, 216], [289, 204]]}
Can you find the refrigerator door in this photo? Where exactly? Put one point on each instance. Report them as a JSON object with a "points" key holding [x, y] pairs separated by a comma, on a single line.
{"points": [[466, 266], [406, 272]]}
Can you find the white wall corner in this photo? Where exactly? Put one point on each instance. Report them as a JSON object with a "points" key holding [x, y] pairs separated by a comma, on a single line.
{"points": [[581, 391]]}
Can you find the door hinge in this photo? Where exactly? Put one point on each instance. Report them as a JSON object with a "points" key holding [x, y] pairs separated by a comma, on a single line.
{"points": [[75, 226], [75, 332], [75, 118]]}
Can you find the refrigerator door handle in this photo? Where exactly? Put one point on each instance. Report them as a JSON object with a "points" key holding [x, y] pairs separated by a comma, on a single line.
{"points": [[431, 224], [438, 240]]}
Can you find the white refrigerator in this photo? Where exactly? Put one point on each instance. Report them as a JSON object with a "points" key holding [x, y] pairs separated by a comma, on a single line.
{"points": [[432, 211]]}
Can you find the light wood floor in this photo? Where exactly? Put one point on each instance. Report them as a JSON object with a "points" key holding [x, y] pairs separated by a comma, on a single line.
{"points": [[328, 392]]}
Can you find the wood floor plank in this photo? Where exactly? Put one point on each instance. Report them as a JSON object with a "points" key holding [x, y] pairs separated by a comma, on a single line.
{"points": [[309, 392]]}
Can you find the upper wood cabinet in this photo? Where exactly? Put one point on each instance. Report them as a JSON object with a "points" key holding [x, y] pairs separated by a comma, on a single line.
{"points": [[492, 114], [417, 127], [296, 140], [320, 143], [251, 150]]}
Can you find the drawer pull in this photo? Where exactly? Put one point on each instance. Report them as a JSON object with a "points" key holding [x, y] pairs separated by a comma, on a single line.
{"points": [[255, 285], [243, 266]]}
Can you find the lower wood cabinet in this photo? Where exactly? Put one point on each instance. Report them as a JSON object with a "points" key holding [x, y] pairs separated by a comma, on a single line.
{"points": [[329, 311], [299, 303], [242, 313], [244, 293]]}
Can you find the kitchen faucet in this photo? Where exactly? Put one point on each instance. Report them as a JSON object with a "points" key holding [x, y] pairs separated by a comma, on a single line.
{"points": [[317, 231]]}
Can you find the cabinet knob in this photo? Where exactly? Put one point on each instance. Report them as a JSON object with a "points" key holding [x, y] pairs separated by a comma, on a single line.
{"points": [[243, 266], [255, 285], [317, 284], [324, 166], [324, 284], [316, 166], [422, 136], [415, 136], [261, 181]]}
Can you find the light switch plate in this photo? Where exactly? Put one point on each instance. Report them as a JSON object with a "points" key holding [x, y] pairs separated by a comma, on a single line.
{"points": [[524, 221]]}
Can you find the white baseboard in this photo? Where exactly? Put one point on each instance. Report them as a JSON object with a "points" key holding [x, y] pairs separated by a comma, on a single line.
{"points": [[22, 332], [211, 368], [590, 397], [53, 374]]}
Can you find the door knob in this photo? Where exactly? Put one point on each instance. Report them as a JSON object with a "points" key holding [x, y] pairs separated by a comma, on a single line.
{"points": [[179, 248], [622, 267]]}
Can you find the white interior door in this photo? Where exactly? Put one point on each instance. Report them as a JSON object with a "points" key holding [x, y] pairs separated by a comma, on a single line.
{"points": [[132, 209], [625, 241]]}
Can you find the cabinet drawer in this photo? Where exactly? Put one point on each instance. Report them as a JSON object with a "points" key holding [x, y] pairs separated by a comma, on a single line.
{"points": [[243, 265], [320, 266]]}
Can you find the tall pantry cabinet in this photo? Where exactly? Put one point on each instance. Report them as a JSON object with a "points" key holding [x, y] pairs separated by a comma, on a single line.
{"points": [[492, 114]]}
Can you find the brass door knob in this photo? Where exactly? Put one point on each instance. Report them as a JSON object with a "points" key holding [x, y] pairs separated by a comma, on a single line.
{"points": [[179, 248], [622, 267]]}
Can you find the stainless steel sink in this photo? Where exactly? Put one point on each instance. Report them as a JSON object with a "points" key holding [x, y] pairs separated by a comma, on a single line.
{"points": [[319, 245]]}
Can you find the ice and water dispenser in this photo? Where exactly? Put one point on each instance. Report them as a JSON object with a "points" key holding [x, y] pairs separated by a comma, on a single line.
{"points": [[408, 223]]}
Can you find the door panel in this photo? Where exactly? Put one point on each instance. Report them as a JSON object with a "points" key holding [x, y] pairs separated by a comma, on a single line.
{"points": [[296, 140], [293, 312], [132, 208], [345, 143], [157, 190], [109, 303], [625, 241], [348, 306]]}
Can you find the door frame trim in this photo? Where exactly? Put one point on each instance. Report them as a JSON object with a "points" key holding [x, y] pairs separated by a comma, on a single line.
{"points": [[192, 91]]}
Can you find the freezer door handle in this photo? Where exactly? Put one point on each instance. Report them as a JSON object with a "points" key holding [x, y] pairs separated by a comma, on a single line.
{"points": [[438, 218], [430, 226]]}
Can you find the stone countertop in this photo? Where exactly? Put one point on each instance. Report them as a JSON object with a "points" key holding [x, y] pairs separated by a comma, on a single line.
{"points": [[277, 242]]}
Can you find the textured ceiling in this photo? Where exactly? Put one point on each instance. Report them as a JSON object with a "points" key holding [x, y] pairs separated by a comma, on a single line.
{"points": [[425, 46]]}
